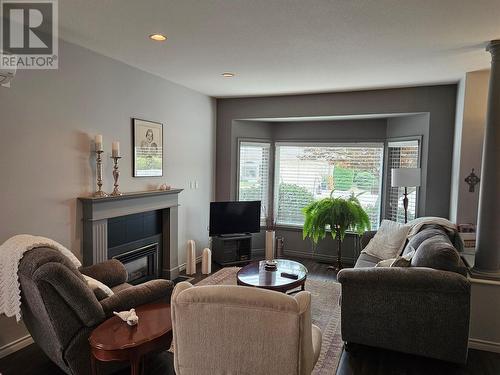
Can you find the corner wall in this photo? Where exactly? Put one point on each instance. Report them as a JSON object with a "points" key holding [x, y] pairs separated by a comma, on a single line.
{"points": [[469, 136]]}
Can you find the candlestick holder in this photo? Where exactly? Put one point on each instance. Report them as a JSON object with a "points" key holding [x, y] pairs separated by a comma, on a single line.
{"points": [[116, 175], [99, 193]]}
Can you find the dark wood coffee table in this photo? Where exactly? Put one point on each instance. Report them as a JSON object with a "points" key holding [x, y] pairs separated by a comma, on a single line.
{"points": [[115, 340], [256, 275]]}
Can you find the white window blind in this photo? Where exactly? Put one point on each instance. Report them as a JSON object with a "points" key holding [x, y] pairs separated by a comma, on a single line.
{"points": [[403, 154], [305, 173], [253, 184]]}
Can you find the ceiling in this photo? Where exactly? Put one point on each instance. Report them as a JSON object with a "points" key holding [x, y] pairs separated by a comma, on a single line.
{"points": [[289, 46]]}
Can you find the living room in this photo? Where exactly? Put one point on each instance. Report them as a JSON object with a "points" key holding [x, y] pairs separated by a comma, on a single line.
{"points": [[204, 136]]}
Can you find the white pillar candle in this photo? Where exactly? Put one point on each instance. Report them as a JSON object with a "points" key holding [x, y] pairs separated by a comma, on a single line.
{"points": [[115, 149], [270, 244], [206, 261], [191, 258], [98, 142]]}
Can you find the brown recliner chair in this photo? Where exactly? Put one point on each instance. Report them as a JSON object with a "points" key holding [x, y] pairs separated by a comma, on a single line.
{"points": [[60, 310]]}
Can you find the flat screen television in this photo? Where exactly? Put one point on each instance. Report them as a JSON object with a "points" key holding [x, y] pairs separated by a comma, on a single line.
{"points": [[234, 217]]}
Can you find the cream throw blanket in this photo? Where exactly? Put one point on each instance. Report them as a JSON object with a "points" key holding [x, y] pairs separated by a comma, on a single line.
{"points": [[11, 253], [418, 223]]}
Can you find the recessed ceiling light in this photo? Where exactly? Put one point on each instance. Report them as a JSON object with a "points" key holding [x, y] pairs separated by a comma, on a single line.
{"points": [[228, 75], [158, 37]]}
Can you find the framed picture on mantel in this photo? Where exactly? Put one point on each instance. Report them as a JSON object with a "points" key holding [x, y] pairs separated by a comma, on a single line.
{"points": [[148, 148]]}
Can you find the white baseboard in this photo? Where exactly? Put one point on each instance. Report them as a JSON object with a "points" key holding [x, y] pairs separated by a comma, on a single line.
{"points": [[488, 346], [182, 267], [317, 256], [16, 345]]}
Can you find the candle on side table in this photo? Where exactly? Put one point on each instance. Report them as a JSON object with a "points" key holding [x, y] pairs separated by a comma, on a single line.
{"points": [[115, 149]]}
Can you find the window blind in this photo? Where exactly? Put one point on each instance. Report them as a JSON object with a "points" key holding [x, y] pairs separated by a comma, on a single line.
{"points": [[253, 184], [305, 173], [403, 154]]}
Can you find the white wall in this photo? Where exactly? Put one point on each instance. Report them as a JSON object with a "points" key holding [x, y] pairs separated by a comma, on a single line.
{"points": [[47, 119], [485, 310]]}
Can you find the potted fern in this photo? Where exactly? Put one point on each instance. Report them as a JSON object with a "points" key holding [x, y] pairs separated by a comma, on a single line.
{"points": [[337, 216]]}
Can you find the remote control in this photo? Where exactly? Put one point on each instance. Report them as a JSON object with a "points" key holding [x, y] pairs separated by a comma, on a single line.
{"points": [[290, 275]]}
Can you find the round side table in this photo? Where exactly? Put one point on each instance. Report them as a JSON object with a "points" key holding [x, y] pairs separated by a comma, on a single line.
{"points": [[115, 340], [256, 275]]}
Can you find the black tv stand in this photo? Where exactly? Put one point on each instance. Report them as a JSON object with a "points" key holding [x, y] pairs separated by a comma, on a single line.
{"points": [[232, 249], [234, 235]]}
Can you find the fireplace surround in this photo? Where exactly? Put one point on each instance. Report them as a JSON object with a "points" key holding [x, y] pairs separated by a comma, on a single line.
{"points": [[147, 255]]}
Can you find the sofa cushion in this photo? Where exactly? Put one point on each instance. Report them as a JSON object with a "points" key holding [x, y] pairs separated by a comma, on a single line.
{"points": [[366, 260], [437, 253]]}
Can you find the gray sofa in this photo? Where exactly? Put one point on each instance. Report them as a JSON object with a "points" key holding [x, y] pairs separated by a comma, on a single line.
{"points": [[422, 309], [60, 311]]}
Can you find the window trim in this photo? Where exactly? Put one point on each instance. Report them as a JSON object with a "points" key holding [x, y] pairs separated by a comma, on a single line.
{"points": [[273, 178], [341, 143], [386, 182], [270, 172]]}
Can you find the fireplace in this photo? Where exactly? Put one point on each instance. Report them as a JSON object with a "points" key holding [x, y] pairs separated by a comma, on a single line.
{"points": [[139, 229], [136, 241], [141, 264]]}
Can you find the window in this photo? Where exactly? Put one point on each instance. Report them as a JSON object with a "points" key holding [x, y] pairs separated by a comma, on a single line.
{"points": [[253, 182], [305, 173], [403, 154]]}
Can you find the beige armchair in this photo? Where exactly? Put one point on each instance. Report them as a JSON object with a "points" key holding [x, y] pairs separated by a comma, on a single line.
{"points": [[226, 329]]}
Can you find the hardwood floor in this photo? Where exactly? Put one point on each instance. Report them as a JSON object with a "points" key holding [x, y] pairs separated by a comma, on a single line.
{"points": [[362, 360], [359, 360]]}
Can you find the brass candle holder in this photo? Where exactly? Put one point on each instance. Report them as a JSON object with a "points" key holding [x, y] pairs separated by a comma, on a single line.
{"points": [[99, 193], [116, 176]]}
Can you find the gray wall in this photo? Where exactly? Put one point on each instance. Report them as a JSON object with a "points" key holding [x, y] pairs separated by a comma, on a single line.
{"points": [[438, 101], [47, 121], [341, 130], [418, 126]]}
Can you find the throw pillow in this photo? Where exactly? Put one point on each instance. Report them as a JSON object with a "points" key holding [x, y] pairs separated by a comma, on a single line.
{"points": [[438, 254], [388, 241], [100, 290], [400, 261], [385, 262]]}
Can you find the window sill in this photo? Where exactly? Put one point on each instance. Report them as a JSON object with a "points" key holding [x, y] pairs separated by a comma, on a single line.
{"points": [[299, 228]]}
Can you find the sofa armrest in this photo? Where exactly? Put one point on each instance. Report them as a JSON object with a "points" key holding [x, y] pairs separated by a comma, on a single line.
{"points": [[148, 292], [111, 272], [406, 279], [409, 309]]}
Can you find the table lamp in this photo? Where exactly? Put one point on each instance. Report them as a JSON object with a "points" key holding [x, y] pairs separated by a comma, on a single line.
{"points": [[405, 177]]}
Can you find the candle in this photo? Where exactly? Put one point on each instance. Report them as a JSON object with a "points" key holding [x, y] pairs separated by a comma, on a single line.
{"points": [[115, 149], [98, 142]]}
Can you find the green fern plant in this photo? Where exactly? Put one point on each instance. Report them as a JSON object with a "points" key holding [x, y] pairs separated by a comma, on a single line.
{"points": [[335, 216]]}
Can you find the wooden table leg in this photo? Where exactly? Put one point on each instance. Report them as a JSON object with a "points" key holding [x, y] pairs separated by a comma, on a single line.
{"points": [[93, 364], [135, 365]]}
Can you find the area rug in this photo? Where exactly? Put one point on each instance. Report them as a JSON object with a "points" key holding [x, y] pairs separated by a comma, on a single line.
{"points": [[325, 311]]}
